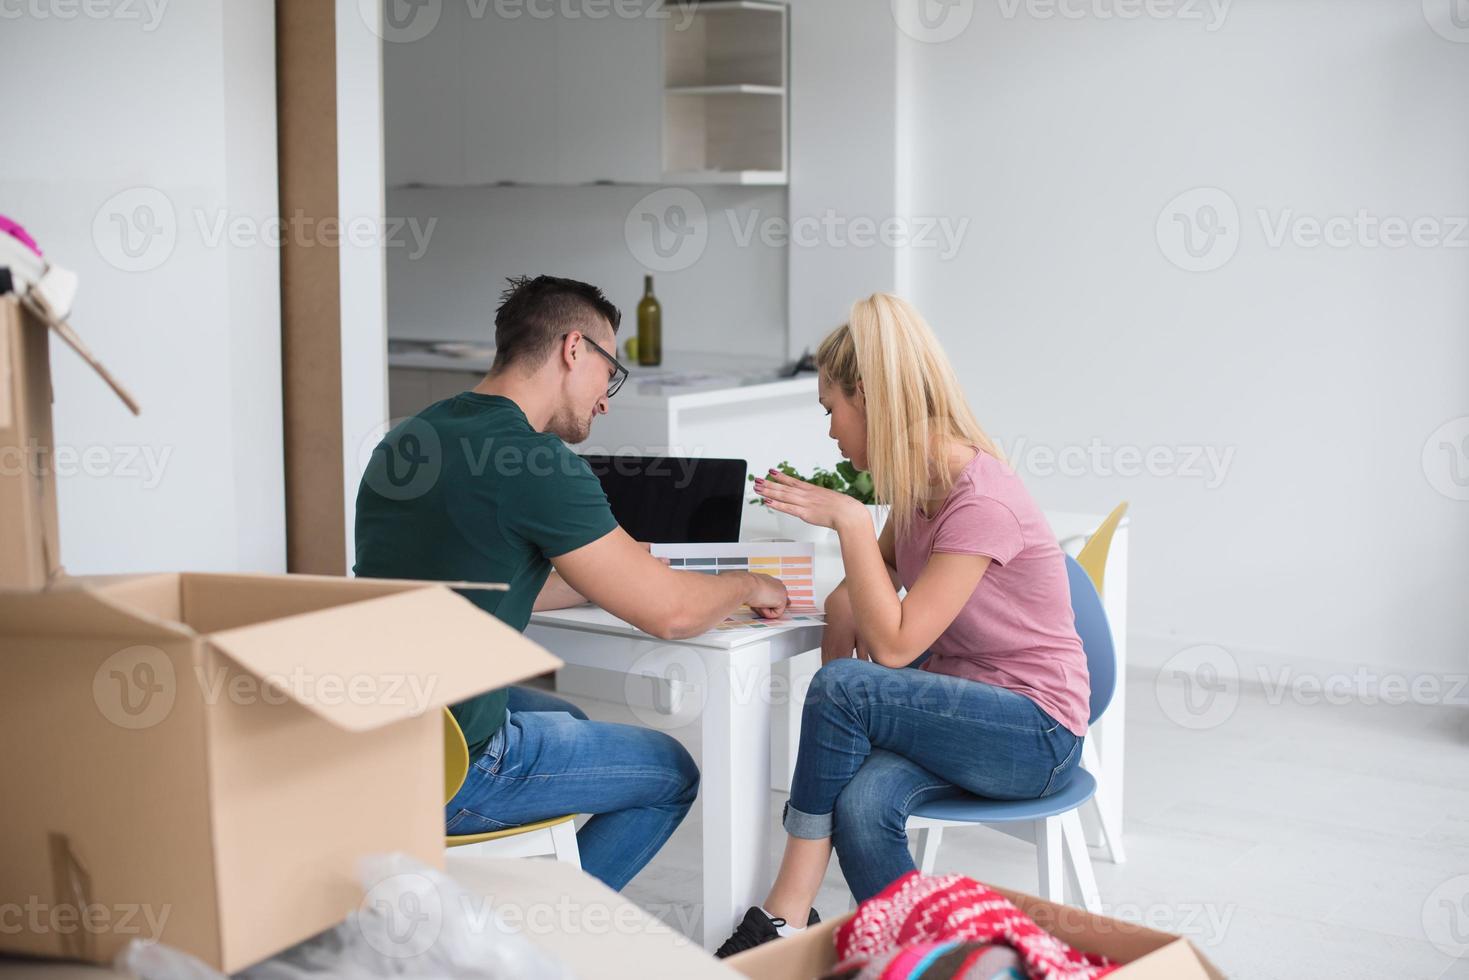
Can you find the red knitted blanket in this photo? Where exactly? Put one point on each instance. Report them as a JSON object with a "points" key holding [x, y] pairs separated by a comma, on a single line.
{"points": [[942, 908]]}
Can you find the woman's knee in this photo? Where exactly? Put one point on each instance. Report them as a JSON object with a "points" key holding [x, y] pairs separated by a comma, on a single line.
{"points": [[838, 681]]}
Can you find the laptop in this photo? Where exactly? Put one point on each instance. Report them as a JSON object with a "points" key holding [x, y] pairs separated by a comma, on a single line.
{"points": [[674, 499]]}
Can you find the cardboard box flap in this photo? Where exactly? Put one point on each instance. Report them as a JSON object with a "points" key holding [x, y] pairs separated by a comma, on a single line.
{"points": [[367, 664], [80, 612], [38, 307]]}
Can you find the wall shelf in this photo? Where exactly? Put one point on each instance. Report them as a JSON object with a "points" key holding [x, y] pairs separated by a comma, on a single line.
{"points": [[738, 89], [725, 96]]}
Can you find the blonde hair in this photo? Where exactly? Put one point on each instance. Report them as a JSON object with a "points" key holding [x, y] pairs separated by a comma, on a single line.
{"points": [[915, 405]]}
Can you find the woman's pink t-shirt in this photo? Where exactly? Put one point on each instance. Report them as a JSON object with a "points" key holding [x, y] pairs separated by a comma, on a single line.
{"points": [[1017, 630]]}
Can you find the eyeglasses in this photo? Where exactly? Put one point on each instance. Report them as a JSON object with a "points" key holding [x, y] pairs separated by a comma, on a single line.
{"points": [[619, 373]]}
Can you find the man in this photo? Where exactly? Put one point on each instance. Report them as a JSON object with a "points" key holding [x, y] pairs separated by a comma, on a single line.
{"points": [[482, 487]]}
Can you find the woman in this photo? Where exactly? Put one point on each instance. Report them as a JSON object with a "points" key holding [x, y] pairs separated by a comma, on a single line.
{"points": [[999, 706]]}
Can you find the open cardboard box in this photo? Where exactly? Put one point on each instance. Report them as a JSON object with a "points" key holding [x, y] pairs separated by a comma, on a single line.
{"points": [[1146, 954], [203, 759], [31, 556]]}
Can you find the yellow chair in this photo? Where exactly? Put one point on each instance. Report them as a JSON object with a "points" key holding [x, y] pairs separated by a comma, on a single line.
{"points": [[1093, 554], [1093, 559], [555, 837]]}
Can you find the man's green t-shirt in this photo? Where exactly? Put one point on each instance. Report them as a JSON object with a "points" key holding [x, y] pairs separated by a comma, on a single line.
{"points": [[467, 491]]}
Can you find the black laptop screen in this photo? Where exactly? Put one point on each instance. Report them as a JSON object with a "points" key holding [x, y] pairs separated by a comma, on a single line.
{"points": [[672, 499]]}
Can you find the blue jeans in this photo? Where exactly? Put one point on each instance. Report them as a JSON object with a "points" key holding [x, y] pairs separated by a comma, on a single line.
{"points": [[878, 742], [549, 760]]}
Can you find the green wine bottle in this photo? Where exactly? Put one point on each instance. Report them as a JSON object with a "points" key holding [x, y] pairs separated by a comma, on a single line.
{"points": [[650, 327]]}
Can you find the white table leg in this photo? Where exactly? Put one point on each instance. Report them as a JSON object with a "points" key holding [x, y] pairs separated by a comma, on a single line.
{"points": [[785, 736], [735, 771]]}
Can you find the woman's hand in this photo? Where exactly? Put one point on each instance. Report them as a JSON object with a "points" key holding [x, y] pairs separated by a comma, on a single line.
{"points": [[814, 505]]}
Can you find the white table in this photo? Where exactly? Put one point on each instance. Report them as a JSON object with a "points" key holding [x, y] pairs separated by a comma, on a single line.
{"points": [[751, 731], [722, 683]]}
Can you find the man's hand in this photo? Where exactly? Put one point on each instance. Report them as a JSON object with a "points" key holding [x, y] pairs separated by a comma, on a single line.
{"points": [[648, 547], [618, 574], [770, 599]]}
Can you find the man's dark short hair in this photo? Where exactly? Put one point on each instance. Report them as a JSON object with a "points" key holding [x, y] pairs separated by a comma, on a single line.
{"points": [[534, 314]]}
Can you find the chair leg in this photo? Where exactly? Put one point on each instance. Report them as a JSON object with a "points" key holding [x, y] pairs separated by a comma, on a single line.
{"points": [[1080, 861], [928, 848], [563, 843], [1050, 859], [1111, 833]]}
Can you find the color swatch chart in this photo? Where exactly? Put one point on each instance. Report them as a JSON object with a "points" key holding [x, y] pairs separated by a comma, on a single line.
{"points": [[793, 562]]}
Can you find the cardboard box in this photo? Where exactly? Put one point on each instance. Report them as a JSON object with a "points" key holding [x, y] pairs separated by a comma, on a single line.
{"points": [[31, 556], [1146, 953], [208, 756]]}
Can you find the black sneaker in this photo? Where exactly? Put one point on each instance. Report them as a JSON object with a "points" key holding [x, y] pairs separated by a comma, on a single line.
{"points": [[756, 929]]}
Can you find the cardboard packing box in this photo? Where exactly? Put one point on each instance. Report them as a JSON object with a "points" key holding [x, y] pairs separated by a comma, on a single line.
{"points": [[1146, 954], [30, 548], [207, 757]]}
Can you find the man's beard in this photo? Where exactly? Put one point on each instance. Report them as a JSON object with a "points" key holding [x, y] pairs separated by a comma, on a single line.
{"points": [[569, 427]]}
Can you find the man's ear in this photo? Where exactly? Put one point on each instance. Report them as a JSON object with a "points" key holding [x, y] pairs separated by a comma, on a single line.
{"points": [[569, 346]]}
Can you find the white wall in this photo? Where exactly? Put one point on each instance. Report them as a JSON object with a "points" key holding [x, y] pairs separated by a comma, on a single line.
{"points": [[110, 117], [845, 155], [1323, 369], [723, 291]]}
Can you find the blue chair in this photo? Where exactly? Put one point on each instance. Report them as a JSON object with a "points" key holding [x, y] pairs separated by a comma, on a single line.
{"points": [[1052, 824]]}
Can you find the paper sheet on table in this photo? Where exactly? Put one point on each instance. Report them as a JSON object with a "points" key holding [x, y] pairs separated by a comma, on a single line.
{"points": [[793, 562]]}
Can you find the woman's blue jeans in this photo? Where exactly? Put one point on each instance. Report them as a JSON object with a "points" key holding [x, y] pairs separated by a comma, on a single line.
{"points": [[548, 760], [878, 742]]}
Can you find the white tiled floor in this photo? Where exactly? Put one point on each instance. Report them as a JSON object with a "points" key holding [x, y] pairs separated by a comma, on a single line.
{"points": [[1289, 841]]}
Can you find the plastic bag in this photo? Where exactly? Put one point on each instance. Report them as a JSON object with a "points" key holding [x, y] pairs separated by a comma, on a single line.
{"points": [[414, 922]]}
